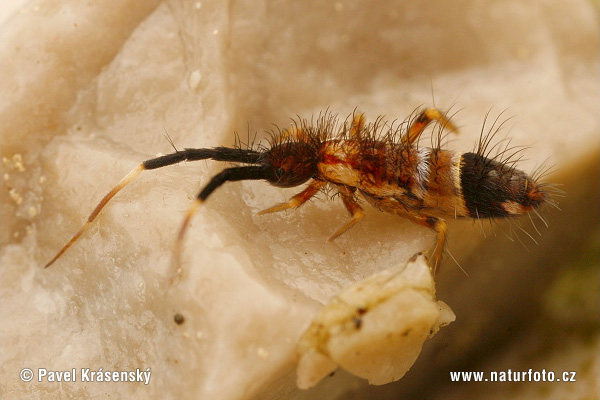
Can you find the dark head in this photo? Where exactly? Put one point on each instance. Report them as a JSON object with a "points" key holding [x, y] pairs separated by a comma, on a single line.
{"points": [[290, 164], [494, 189]]}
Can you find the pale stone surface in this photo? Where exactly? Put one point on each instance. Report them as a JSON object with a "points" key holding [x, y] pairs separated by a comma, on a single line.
{"points": [[88, 91], [374, 328]]}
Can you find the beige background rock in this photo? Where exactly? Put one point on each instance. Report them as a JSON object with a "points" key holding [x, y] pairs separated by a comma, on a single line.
{"points": [[88, 91]]}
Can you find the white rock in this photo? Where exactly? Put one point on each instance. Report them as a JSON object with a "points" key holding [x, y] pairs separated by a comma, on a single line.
{"points": [[375, 328]]}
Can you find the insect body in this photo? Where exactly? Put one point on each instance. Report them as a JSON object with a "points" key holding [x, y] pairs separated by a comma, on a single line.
{"points": [[382, 163]]}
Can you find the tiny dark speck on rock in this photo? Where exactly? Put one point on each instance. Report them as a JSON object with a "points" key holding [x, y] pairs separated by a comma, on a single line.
{"points": [[178, 318]]}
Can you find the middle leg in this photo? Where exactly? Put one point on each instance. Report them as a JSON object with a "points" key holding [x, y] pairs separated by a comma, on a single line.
{"points": [[353, 208]]}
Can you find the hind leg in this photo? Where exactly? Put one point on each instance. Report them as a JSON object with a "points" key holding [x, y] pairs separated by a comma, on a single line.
{"points": [[393, 206]]}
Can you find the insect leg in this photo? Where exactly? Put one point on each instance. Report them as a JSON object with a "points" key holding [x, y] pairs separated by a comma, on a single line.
{"points": [[419, 124], [441, 228], [353, 208], [396, 207], [436, 224], [298, 199], [358, 123]]}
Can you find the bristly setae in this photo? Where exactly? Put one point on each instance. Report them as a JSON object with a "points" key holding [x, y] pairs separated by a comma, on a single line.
{"points": [[382, 162]]}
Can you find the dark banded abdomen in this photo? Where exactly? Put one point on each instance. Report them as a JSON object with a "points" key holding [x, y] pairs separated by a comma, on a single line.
{"points": [[494, 189]]}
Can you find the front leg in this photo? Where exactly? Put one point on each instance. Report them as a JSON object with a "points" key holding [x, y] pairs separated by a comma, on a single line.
{"points": [[298, 199]]}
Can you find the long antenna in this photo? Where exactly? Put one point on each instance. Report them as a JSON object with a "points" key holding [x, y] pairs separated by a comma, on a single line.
{"points": [[217, 154], [124, 182]]}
